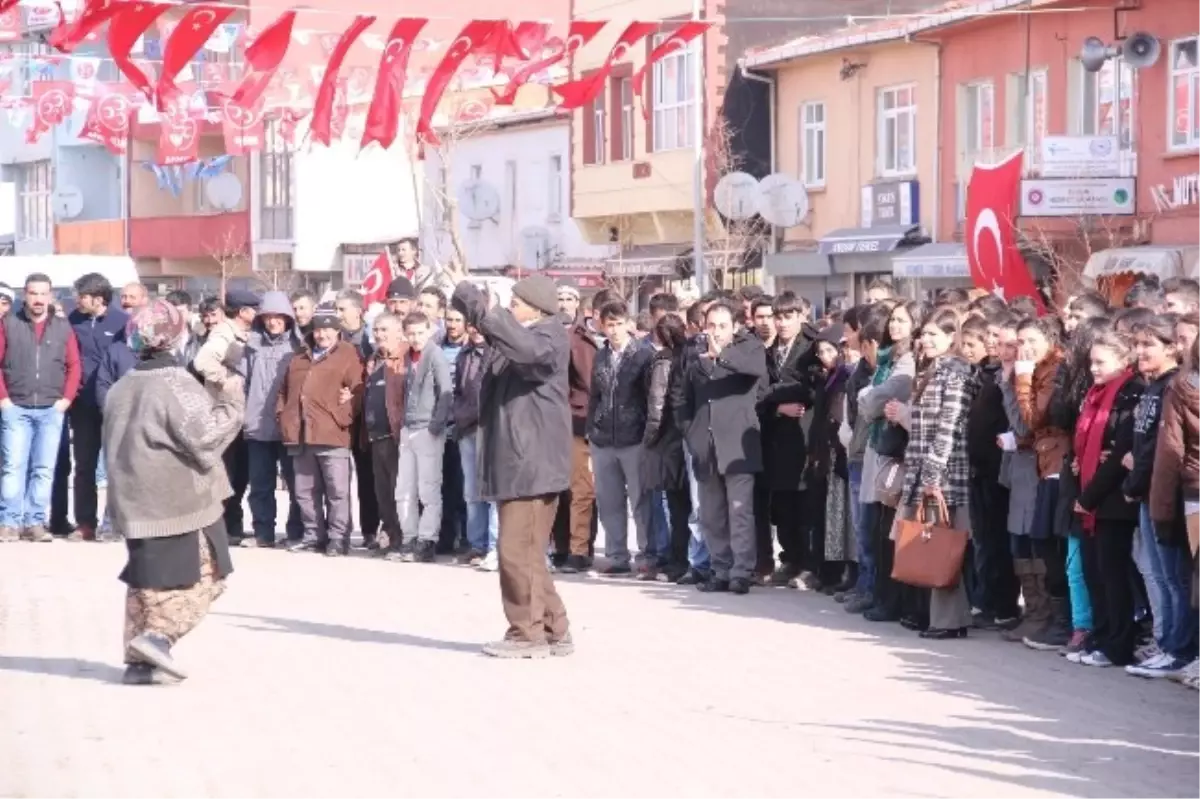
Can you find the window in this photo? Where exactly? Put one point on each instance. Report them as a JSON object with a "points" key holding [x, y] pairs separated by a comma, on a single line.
{"points": [[980, 136], [26, 66], [1029, 98], [594, 132], [674, 97], [812, 157], [555, 189], [1100, 92], [35, 185], [622, 119], [897, 147], [1184, 98], [275, 163]]}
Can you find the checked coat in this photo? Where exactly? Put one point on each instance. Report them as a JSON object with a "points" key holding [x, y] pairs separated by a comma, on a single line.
{"points": [[937, 435]]}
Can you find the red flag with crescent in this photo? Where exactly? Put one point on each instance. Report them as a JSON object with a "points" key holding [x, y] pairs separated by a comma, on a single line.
{"points": [[383, 115], [375, 281], [124, 30], [179, 133], [52, 102], [578, 93], [323, 105], [244, 128], [676, 41], [996, 263], [197, 25], [108, 116], [475, 35], [10, 24], [263, 57], [580, 33], [66, 36]]}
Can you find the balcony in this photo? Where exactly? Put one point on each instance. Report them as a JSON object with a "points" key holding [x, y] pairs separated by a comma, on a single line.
{"points": [[97, 237], [182, 237]]}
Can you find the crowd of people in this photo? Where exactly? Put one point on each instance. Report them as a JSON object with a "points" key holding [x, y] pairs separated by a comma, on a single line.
{"points": [[747, 441]]}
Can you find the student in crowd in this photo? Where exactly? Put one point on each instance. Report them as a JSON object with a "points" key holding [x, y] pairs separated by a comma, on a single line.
{"points": [[383, 418]]}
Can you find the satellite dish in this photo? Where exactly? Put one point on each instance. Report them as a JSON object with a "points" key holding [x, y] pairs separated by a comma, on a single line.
{"points": [[68, 202], [1141, 50], [223, 191], [478, 200], [782, 200], [1094, 53], [736, 195], [535, 242]]}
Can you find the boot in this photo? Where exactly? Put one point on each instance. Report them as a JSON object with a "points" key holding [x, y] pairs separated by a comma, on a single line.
{"points": [[1056, 632], [1032, 574]]}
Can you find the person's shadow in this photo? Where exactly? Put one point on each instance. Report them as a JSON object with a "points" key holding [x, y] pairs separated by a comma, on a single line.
{"points": [[71, 668]]}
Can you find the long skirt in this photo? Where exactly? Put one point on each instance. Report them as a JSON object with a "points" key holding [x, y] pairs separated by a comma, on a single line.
{"points": [[173, 613], [839, 533]]}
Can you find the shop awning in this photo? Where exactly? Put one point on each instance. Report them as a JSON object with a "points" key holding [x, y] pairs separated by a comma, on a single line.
{"points": [[1165, 262], [797, 264], [881, 239], [937, 260], [646, 260]]}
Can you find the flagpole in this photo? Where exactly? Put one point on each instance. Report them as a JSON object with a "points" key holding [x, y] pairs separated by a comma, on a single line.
{"points": [[699, 266]]}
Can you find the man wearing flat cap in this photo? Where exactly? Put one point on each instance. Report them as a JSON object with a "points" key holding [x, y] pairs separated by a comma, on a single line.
{"points": [[524, 452]]}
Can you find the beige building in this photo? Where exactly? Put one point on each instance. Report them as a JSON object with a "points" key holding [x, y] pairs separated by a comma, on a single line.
{"points": [[856, 121]]}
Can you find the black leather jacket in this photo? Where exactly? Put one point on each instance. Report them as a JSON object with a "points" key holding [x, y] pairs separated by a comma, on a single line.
{"points": [[617, 403]]}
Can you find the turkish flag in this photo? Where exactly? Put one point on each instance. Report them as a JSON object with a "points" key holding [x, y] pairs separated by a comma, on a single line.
{"points": [[578, 93], [263, 57], [996, 263], [66, 36], [243, 127], [474, 36], [580, 33], [52, 102], [5, 5], [383, 115], [10, 24], [179, 135], [197, 25], [107, 121], [123, 32], [375, 281], [323, 105], [676, 41]]}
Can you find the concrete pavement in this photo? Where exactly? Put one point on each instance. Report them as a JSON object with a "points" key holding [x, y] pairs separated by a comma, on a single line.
{"points": [[355, 677]]}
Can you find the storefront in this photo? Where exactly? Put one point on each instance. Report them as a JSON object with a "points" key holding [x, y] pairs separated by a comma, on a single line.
{"points": [[1115, 270], [806, 274], [639, 272], [923, 271]]}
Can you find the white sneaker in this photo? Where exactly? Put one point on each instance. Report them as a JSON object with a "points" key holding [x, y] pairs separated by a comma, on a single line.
{"points": [[1095, 659], [490, 562], [1147, 651], [1189, 675], [1075, 657], [1163, 666]]}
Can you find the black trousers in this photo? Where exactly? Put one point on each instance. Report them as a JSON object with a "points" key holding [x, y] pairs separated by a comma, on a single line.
{"points": [[364, 471], [86, 427], [789, 509], [237, 469], [454, 506], [1107, 556], [59, 500], [764, 545], [814, 529], [679, 509], [896, 599], [997, 585]]}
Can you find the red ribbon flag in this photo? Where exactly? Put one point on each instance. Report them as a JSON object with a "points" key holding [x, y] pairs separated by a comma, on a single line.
{"points": [[108, 116], [243, 127], [383, 115], [323, 105], [475, 36], [52, 102], [375, 281], [179, 133], [676, 41], [578, 93], [123, 32], [66, 36], [263, 57], [197, 25], [996, 263], [581, 32]]}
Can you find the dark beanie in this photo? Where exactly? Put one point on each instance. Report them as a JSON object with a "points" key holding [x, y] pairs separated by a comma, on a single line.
{"points": [[538, 291], [401, 289]]}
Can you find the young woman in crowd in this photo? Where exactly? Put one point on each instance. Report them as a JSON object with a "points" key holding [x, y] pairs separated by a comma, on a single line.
{"points": [[937, 471], [1103, 437], [662, 466]]}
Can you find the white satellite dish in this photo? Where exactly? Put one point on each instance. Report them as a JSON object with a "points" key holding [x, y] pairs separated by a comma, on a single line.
{"points": [[223, 191], [478, 200], [68, 202], [535, 247], [782, 200], [736, 195]]}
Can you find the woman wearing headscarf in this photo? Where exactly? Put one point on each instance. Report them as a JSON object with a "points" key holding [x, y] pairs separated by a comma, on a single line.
{"points": [[164, 436]]}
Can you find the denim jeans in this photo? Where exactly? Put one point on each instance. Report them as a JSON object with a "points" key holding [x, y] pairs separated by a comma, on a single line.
{"points": [[101, 469], [660, 527], [697, 550], [265, 460], [864, 523], [29, 448], [483, 525], [1172, 578], [1145, 555]]}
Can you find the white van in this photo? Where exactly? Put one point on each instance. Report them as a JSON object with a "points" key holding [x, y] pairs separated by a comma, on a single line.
{"points": [[64, 270]]}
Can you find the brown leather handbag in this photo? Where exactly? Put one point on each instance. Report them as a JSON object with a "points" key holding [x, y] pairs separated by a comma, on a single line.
{"points": [[929, 553]]}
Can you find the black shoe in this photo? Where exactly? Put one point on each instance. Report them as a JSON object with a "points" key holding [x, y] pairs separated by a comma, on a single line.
{"points": [[912, 623], [692, 577], [713, 586], [879, 614], [739, 585], [672, 574], [425, 552], [334, 550], [371, 543], [783, 575], [302, 546], [155, 649], [943, 634], [574, 564], [141, 674], [616, 570]]}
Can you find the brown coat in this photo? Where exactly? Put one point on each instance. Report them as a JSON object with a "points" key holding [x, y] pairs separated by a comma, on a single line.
{"points": [[308, 403], [579, 374], [394, 390], [1177, 456], [1034, 394]]}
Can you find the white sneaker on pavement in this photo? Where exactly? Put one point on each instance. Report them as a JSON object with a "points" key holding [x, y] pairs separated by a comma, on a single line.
{"points": [[490, 562]]}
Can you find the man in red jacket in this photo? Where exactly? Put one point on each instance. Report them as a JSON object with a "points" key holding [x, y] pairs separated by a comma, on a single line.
{"points": [[39, 378]]}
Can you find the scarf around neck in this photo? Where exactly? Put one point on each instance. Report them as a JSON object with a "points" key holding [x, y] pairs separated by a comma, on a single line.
{"points": [[883, 370], [1089, 432]]}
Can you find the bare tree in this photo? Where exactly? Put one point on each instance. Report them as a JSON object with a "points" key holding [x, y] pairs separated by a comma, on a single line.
{"points": [[1066, 249], [731, 244], [229, 250]]}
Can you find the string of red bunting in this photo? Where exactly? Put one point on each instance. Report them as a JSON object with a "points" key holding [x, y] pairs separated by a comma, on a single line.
{"points": [[519, 51]]}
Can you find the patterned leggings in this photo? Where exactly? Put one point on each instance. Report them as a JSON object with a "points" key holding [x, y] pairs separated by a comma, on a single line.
{"points": [[175, 612]]}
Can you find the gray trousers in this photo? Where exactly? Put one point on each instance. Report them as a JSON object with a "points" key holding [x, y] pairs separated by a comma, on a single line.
{"points": [[727, 519], [419, 484], [949, 608], [619, 485], [323, 494]]}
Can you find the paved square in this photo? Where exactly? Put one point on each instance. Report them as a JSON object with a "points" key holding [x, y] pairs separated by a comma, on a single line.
{"points": [[355, 677]]}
